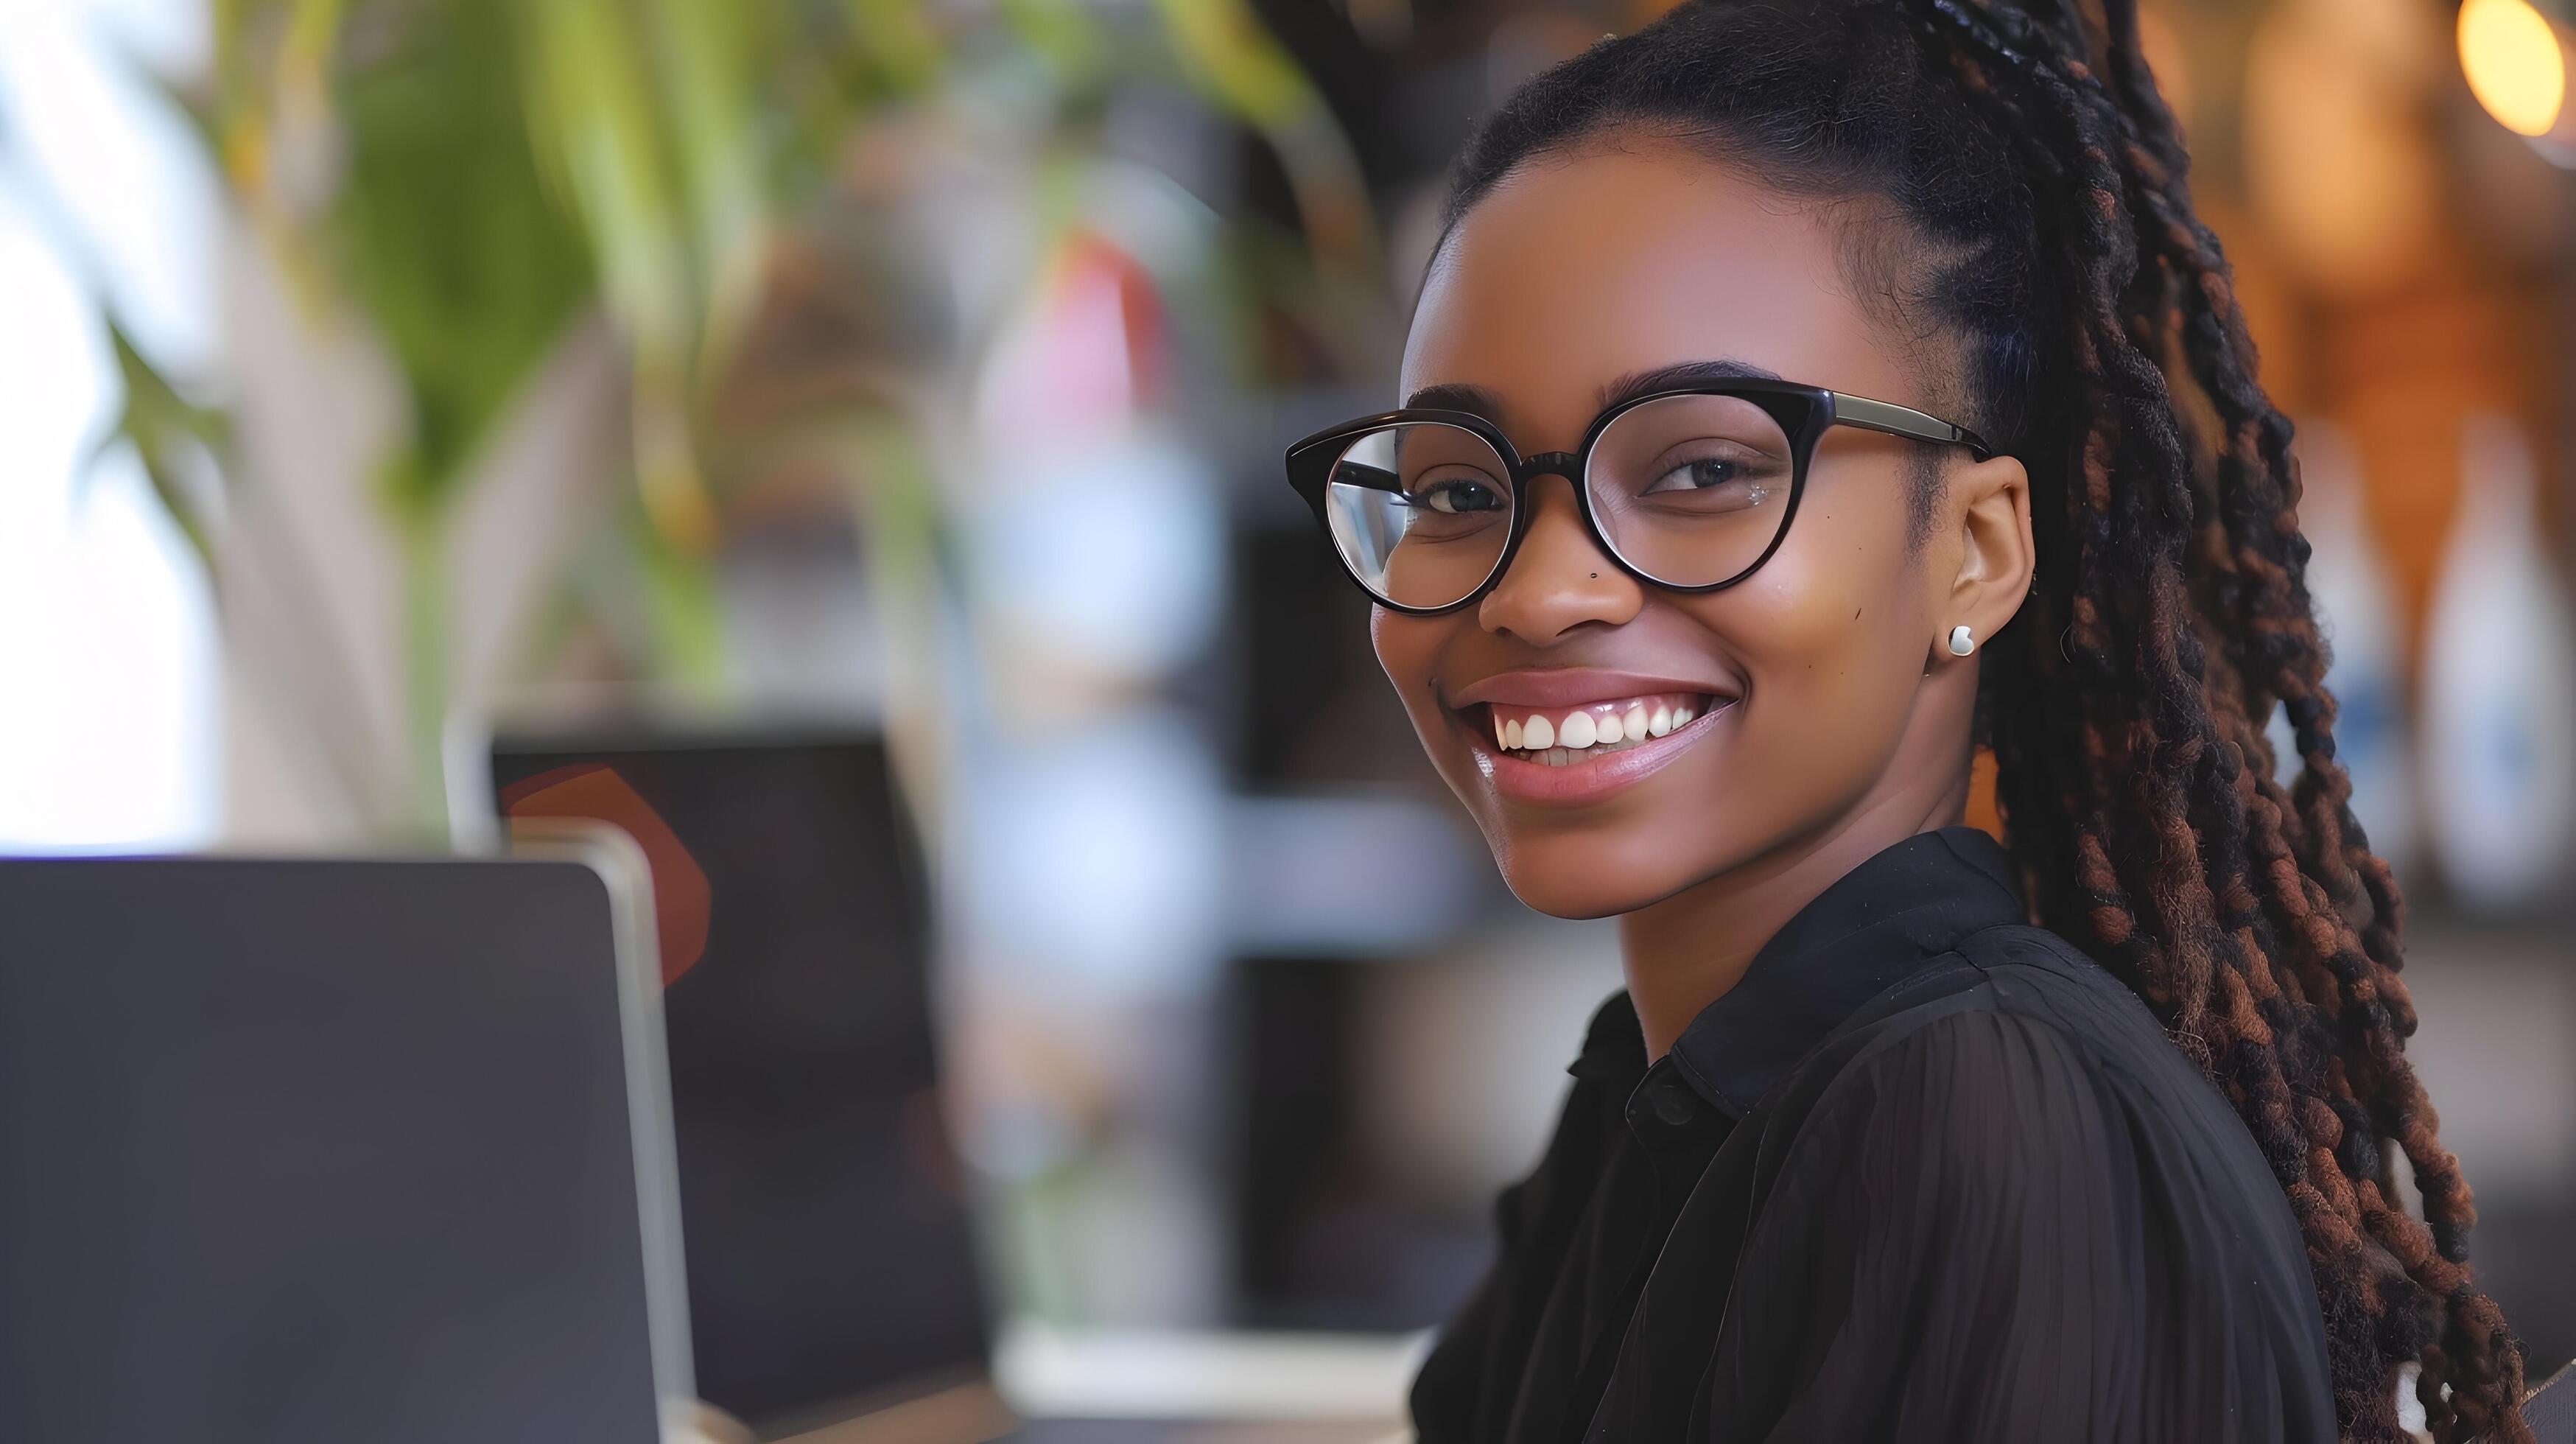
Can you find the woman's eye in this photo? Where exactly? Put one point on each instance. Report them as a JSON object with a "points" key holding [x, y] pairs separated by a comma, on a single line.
{"points": [[1723, 476], [1454, 495], [1698, 475]]}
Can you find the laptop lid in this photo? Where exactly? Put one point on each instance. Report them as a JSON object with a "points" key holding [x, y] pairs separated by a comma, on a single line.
{"points": [[300, 1152], [830, 1250]]}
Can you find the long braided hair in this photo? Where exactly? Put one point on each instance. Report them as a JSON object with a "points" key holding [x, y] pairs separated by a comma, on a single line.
{"points": [[2043, 179]]}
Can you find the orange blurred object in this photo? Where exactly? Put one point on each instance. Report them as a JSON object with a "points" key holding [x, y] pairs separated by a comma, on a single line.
{"points": [[682, 900]]}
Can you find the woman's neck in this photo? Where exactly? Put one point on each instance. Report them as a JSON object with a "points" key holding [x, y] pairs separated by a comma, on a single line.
{"points": [[1688, 950]]}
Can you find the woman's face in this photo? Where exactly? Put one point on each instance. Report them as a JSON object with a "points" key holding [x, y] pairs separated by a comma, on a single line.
{"points": [[1805, 686]]}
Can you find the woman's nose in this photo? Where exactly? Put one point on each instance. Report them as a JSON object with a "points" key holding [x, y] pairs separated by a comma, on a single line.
{"points": [[1560, 579]]}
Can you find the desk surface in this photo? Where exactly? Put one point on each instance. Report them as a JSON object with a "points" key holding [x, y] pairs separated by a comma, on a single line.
{"points": [[1212, 1387]]}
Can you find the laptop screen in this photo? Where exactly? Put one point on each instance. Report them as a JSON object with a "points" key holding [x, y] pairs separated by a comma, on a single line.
{"points": [[303, 1152], [829, 1250]]}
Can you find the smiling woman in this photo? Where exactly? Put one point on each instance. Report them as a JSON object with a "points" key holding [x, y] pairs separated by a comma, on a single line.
{"points": [[1807, 605], [1798, 398]]}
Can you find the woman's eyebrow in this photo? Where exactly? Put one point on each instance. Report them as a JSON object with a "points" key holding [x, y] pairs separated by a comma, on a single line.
{"points": [[1485, 402], [1460, 396], [1680, 373]]}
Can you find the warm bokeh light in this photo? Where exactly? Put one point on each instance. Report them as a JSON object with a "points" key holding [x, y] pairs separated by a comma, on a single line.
{"points": [[2345, 179], [2513, 62], [2168, 57]]}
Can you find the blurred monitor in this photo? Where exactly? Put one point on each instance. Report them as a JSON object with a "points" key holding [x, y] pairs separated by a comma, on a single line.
{"points": [[302, 1152], [829, 1248], [1330, 1230]]}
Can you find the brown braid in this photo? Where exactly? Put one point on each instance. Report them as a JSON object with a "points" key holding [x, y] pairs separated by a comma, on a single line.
{"points": [[2126, 705], [2251, 884]]}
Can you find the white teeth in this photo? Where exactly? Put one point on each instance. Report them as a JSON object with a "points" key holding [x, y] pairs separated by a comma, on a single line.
{"points": [[1587, 732]]}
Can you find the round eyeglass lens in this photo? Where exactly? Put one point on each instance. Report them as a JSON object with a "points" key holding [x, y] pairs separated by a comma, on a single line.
{"points": [[1691, 490], [1420, 512]]}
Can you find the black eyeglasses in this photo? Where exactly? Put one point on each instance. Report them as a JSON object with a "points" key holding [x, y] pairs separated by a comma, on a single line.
{"points": [[1690, 488]]}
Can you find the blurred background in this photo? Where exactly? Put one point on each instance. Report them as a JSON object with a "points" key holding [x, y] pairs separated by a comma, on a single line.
{"points": [[366, 365]]}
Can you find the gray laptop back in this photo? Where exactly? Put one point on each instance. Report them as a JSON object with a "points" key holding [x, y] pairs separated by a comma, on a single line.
{"points": [[307, 1151]]}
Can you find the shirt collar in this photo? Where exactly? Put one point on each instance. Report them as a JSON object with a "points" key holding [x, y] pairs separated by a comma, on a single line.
{"points": [[1905, 906]]}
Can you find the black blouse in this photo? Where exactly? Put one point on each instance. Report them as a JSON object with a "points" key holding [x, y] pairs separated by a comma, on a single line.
{"points": [[1927, 1172]]}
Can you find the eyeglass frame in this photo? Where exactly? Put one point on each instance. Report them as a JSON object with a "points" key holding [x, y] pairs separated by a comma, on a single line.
{"points": [[1311, 464]]}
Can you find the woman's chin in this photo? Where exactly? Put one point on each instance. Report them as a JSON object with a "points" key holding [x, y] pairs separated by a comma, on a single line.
{"points": [[1585, 885]]}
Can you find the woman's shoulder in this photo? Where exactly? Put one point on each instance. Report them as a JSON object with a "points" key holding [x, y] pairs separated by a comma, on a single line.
{"points": [[2010, 1157], [2028, 1053], [2032, 987]]}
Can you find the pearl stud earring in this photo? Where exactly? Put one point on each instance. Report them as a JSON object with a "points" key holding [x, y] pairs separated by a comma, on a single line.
{"points": [[1962, 642]]}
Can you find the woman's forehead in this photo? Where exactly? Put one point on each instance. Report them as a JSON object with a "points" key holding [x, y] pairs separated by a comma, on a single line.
{"points": [[1579, 269]]}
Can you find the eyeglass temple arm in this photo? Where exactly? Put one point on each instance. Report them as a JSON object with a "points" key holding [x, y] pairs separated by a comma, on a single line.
{"points": [[1897, 420], [1352, 473]]}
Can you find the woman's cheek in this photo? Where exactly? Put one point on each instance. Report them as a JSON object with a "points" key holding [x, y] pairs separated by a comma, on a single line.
{"points": [[1819, 649], [1784, 630], [1406, 649], [1394, 649]]}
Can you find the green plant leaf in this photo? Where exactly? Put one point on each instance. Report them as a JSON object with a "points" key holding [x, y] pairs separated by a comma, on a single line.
{"points": [[444, 235], [164, 429], [1223, 46], [1062, 32]]}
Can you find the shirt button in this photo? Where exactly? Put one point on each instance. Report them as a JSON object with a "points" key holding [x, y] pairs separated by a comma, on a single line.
{"points": [[1674, 1102]]}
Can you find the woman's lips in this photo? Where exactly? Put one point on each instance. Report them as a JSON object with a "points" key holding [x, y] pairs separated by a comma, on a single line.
{"points": [[1575, 686], [1588, 774], [1566, 736]]}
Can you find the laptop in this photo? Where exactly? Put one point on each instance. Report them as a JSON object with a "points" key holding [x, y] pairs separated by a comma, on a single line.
{"points": [[297, 1151], [834, 1284]]}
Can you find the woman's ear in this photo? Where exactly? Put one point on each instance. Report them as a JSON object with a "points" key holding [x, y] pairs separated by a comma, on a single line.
{"points": [[1990, 506]]}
